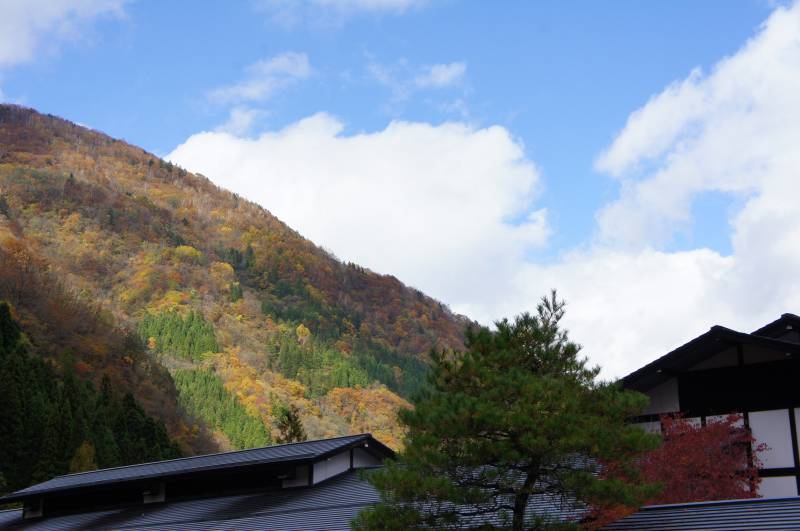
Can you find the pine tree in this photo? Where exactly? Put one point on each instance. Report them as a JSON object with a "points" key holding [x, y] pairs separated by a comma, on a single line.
{"points": [[290, 427], [517, 415]]}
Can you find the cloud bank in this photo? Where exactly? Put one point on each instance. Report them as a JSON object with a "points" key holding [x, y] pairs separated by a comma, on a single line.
{"points": [[441, 207], [452, 209]]}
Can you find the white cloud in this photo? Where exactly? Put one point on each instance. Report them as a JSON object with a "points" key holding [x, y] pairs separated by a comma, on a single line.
{"points": [[264, 78], [404, 79], [735, 130], [28, 27], [436, 76], [430, 204], [293, 12], [241, 120]]}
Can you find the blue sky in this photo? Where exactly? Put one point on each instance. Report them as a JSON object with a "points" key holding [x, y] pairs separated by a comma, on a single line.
{"points": [[557, 81], [562, 76]]}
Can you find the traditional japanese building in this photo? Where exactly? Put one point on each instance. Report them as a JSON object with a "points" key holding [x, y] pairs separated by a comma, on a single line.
{"points": [[302, 486], [724, 371]]}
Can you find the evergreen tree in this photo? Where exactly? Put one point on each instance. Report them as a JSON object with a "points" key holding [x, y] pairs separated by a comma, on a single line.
{"points": [[204, 396], [4, 209], [50, 420], [49, 455], [290, 427], [9, 329], [187, 337], [517, 415], [249, 257], [235, 291], [84, 458]]}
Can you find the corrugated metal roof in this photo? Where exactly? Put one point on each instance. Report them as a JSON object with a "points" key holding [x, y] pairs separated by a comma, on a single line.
{"points": [[736, 515], [329, 505], [282, 453]]}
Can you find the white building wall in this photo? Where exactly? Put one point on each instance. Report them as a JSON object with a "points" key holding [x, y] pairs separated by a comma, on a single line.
{"points": [[772, 427], [650, 427], [781, 487], [332, 466], [363, 459]]}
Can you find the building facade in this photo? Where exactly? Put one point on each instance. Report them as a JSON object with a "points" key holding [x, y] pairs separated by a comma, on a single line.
{"points": [[724, 371]]}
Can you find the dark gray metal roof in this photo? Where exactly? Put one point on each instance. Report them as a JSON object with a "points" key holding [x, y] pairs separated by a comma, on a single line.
{"points": [[310, 450], [779, 326], [329, 505], [736, 515]]}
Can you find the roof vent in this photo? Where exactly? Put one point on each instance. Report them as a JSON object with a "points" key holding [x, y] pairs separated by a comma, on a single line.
{"points": [[33, 508], [155, 494]]}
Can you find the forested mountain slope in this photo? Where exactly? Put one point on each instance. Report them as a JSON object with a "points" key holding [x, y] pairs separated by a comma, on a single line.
{"points": [[52, 422], [216, 316]]}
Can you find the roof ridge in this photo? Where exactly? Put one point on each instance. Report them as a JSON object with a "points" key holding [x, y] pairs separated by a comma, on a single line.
{"points": [[189, 457]]}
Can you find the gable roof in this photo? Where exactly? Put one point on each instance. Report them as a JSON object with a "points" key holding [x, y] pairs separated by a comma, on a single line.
{"points": [[787, 321], [287, 453], [738, 515], [703, 347], [329, 505]]}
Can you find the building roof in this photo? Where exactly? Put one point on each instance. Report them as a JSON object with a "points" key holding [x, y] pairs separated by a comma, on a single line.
{"points": [[706, 345], [735, 515], [787, 321], [329, 505], [287, 453]]}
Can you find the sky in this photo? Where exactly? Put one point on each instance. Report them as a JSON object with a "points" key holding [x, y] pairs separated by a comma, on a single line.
{"points": [[639, 157]]}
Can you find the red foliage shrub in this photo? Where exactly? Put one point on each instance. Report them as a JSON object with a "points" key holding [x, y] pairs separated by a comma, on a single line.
{"points": [[718, 461], [704, 463]]}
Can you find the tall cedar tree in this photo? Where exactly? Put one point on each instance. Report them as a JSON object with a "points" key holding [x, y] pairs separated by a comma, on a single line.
{"points": [[517, 415], [290, 427]]}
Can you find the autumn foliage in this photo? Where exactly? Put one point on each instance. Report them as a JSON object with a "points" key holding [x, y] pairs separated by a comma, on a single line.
{"points": [[695, 463], [139, 269]]}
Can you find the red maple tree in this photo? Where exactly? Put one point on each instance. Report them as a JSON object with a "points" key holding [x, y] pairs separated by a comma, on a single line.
{"points": [[715, 461]]}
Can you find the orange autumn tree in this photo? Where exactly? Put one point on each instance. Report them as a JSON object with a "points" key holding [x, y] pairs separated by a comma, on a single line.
{"points": [[695, 463]]}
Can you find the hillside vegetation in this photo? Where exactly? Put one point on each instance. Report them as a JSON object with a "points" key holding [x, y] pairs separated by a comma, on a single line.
{"points": [[55, 423], [201, 304]]}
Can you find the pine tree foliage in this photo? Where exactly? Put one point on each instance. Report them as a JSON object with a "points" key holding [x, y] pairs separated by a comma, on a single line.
{"points": [[187, 337], [289, 425], [48, 416], [518, 414], [204, 396]]}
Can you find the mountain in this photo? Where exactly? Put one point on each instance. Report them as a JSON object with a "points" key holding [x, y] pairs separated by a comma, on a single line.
{"points": [[220, 320]]}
